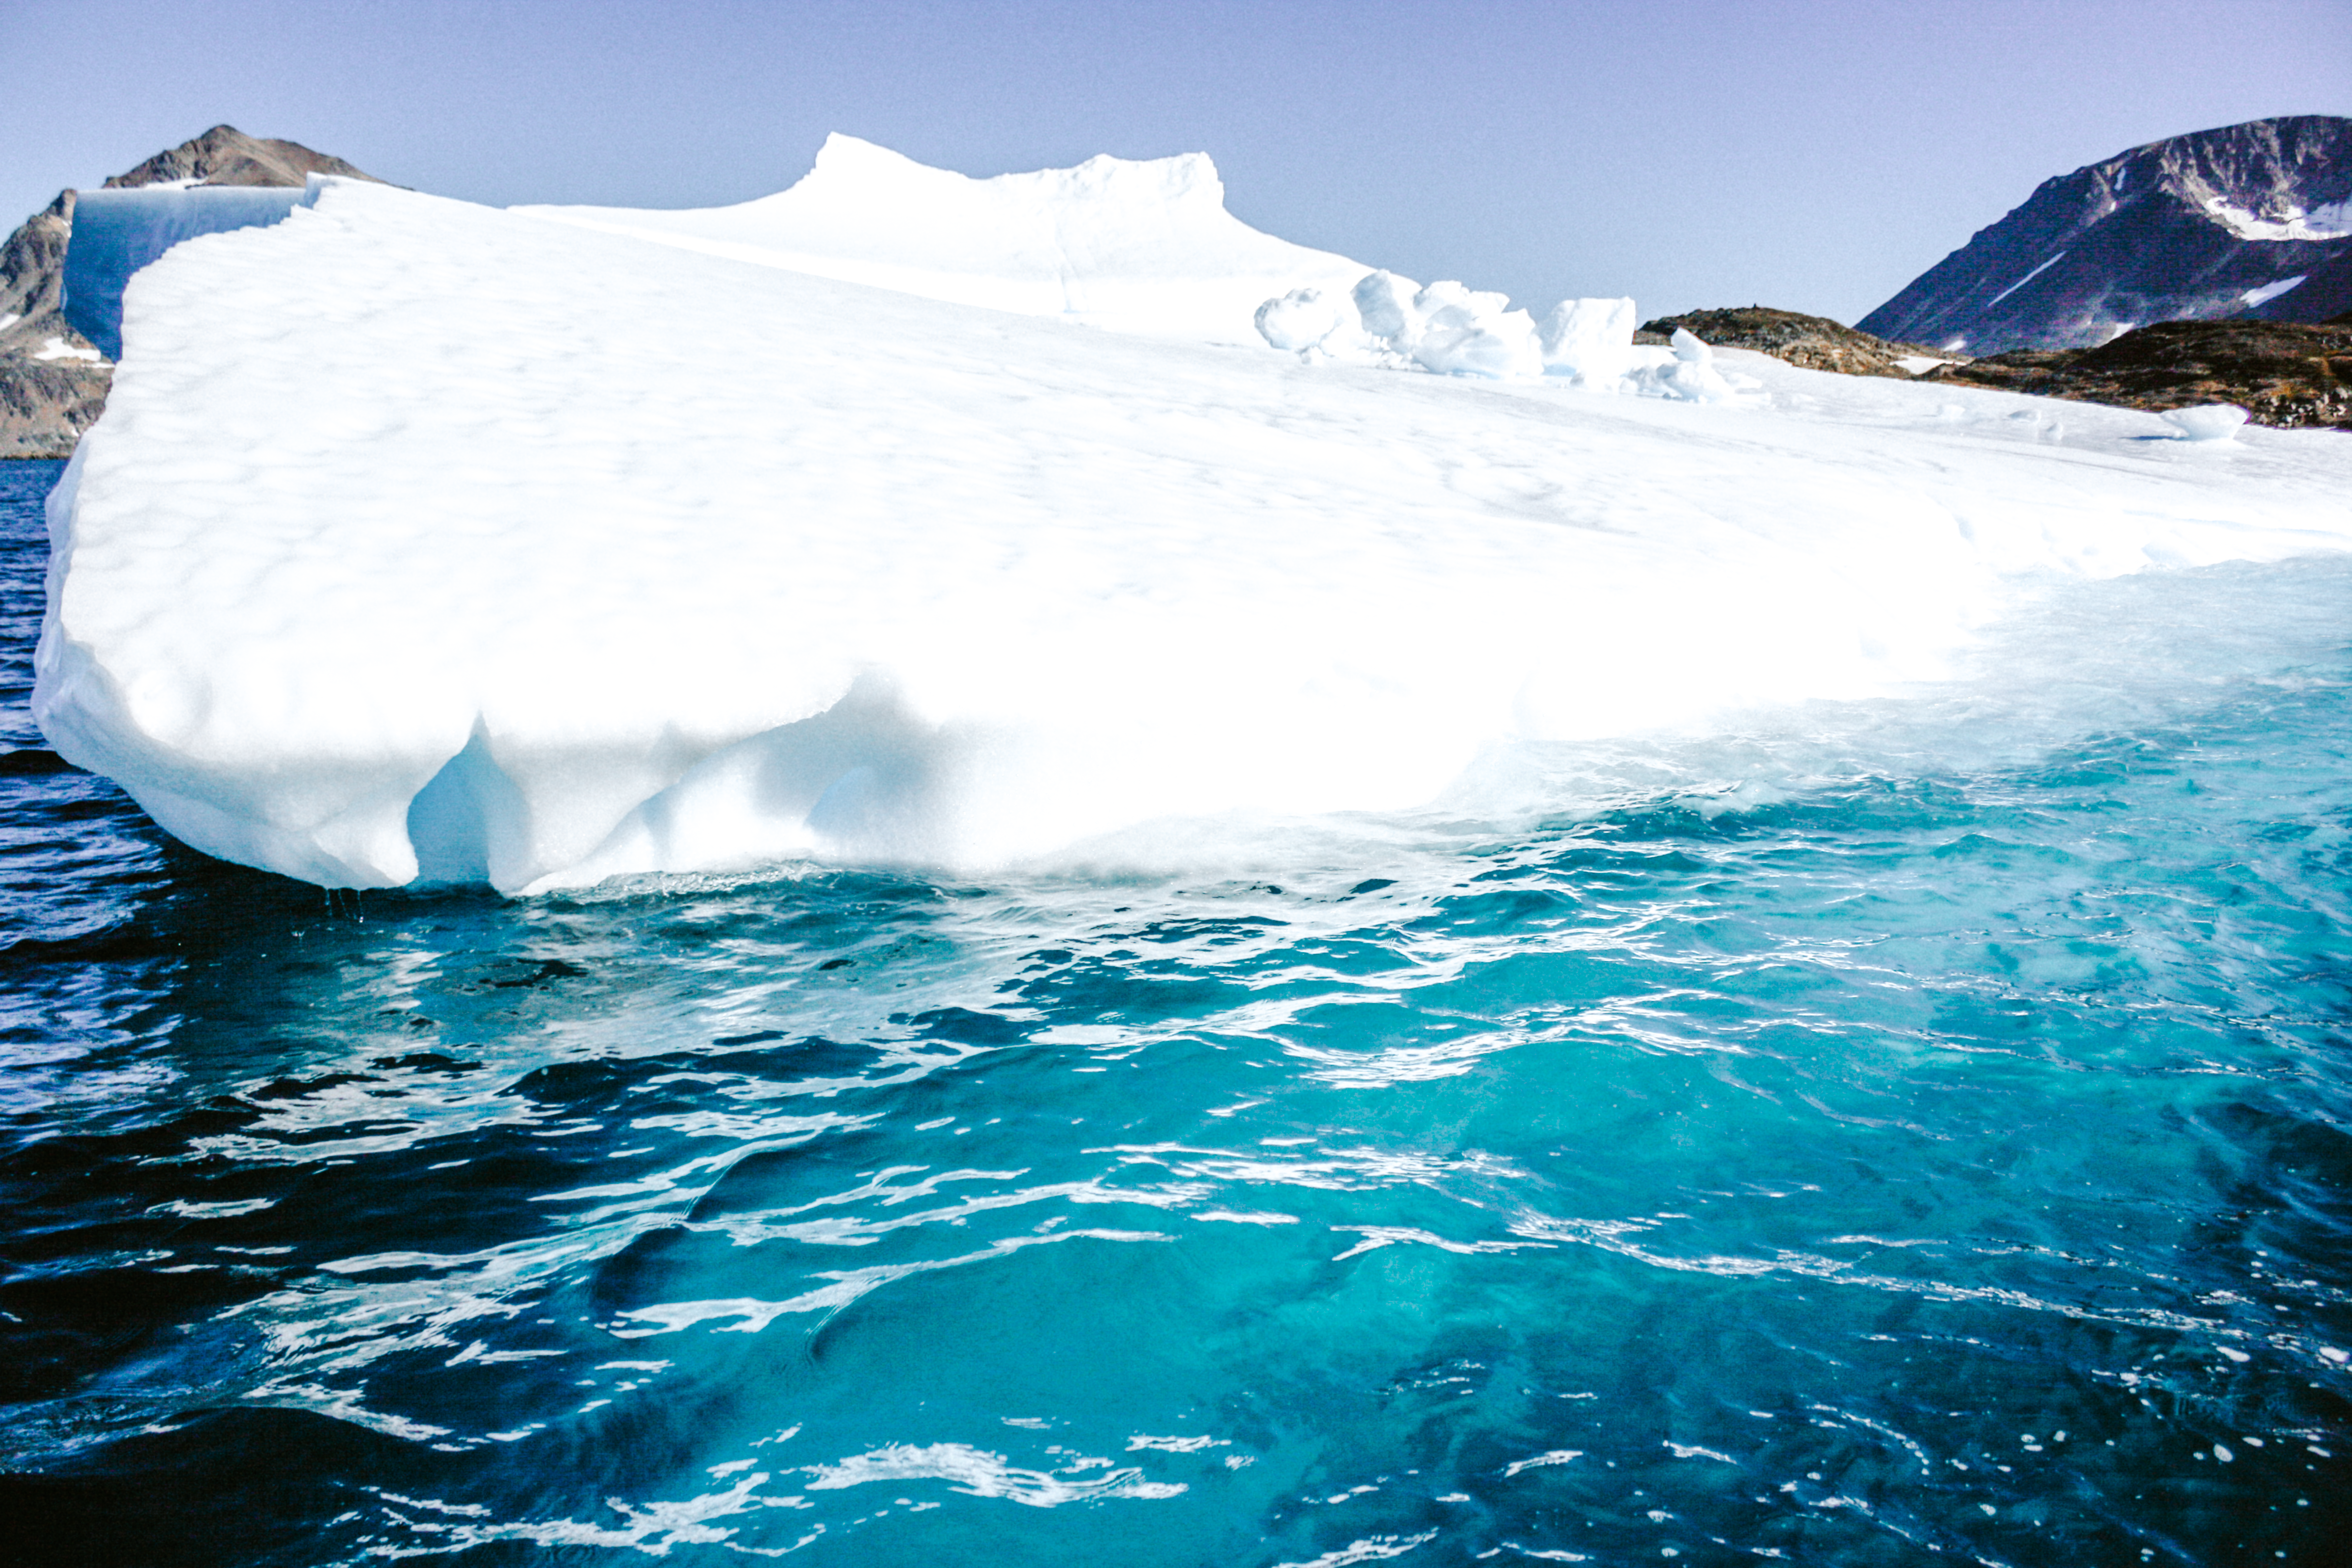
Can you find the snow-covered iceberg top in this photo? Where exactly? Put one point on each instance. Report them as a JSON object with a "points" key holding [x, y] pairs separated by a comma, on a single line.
{"points": [[399, 553], [1137, 246]]}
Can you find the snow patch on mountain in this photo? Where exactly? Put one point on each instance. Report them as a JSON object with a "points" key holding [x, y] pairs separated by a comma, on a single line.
{"points": [[2332, 221]]}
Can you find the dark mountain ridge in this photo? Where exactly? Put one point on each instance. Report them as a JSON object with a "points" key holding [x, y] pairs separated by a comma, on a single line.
{"points": [[2204, 226]]}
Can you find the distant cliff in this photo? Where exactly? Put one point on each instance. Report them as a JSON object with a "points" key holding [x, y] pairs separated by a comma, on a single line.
{"points": [[53, 382], [2252, 218]]}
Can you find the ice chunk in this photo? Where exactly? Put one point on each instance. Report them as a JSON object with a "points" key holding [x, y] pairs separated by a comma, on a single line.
{"points": [[1458, 304], [399, 552], [1591, 339], [1447, 327], [1453, 330], [2208, 421], [1145, 247], [1384, 303], [1500, 345], [1299, 319], [1685, 370]]}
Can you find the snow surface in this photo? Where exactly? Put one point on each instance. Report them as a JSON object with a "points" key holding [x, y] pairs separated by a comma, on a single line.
{"points": [[399, 552], [1145, 248]]}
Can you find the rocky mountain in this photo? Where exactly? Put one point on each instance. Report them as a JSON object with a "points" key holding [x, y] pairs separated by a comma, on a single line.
{"points": [[1813, 343], [2204, 226], [53, 382], [227, 156]]}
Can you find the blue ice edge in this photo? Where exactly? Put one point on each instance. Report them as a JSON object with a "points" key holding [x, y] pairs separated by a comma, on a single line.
{"points": [[116, 233]]}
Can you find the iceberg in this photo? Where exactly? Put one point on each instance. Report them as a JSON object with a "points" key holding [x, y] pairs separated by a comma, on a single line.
{"points": [[1134, 247], [399, 554]]}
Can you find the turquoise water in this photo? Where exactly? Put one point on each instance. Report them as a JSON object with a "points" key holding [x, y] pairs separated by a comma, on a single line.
{"points": [[1911, 1134]]}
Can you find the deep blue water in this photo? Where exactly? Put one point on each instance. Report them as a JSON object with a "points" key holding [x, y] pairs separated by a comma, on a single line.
{"points": [[1941, 1161]]}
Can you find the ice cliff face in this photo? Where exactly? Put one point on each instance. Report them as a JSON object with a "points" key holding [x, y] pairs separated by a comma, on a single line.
{"points": [[2247, 218], [1145, 248], [53, 378]]}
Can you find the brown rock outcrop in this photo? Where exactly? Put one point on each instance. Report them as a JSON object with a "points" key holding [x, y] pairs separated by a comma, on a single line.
{"points": [[2285, 373], [227, 156], [1813, 343]]}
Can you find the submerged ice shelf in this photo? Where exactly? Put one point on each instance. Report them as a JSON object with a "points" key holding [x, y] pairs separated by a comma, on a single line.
{"points": [[399, 553]]}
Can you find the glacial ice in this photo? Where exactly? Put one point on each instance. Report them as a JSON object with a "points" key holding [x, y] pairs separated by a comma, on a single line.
{"points": [[399, 554], [1143, 247]]}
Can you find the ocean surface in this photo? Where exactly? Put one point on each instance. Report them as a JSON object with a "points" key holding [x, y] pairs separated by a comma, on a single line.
{"points": [[1894, 1134]]}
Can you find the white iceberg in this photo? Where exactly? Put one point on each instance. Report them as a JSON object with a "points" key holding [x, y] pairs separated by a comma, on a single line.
{"points": [[1143, 247], [399, 553]]}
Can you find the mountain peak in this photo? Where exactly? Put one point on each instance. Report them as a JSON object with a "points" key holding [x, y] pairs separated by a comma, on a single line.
{"points": [[225, 156], [2198, 227]]}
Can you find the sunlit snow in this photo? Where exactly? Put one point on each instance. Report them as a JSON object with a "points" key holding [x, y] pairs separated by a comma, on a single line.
{"points": [[1143, 247]]}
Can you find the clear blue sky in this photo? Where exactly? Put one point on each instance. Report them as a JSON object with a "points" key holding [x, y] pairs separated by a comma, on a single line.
{"points": [[1813, 157]]}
